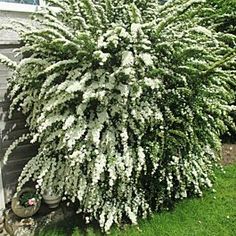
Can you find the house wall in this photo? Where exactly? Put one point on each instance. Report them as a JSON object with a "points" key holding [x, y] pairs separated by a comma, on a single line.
{"points": [[11, 129]]}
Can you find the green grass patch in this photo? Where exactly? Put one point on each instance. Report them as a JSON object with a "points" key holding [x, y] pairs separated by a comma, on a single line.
{"points": [[214, 214]]}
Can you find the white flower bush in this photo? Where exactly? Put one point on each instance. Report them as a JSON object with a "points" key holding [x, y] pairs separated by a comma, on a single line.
{"points": [[126, 99]]}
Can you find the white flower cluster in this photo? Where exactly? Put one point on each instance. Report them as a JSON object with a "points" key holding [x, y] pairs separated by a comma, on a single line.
{"points": [[126, 101]]}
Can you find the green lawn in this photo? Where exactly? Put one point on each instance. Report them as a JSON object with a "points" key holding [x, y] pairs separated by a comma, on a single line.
{"points": [[213, 215]]}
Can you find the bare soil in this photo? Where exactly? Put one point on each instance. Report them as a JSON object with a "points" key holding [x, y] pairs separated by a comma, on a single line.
{"points": [[228, 154]]}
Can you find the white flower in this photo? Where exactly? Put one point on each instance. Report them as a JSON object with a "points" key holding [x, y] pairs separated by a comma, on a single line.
{"points": [[103, 57], [201, 29], [141, 158], [152, 83], [127, 58], [132, 216], [124, 33], [74, 86], [146, 58], [68, 123], [101, 42], [96, 136], [135, 29]]}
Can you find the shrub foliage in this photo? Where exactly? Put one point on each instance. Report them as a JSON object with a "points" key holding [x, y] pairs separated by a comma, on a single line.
{"points": [[126, 99], [222, 15], [222, 18]]}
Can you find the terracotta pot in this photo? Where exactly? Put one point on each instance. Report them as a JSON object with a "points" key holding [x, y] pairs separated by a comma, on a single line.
{"points": [[52, 200], [23, 211]]}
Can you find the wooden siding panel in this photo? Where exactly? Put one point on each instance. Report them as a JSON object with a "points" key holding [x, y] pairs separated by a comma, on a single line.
{"points": [[11, 129]]}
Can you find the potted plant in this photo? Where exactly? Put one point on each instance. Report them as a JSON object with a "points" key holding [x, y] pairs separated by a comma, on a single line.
{"points": [[26, 203], [51, 198]]}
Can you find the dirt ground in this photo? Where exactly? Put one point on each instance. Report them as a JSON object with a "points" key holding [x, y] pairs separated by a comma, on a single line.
{"points": [[229, 153]]}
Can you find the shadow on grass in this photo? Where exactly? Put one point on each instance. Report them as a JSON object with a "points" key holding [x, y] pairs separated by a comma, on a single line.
{"points": [[213, 214], [69, 227]]}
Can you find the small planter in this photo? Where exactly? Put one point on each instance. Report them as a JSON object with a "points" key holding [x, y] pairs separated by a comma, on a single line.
{"points": [[53, 200], [22, 210]]}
